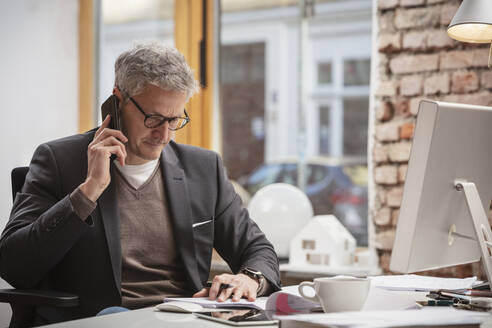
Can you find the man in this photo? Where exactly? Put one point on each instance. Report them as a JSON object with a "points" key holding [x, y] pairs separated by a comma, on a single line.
{"points": [[141, 227]]}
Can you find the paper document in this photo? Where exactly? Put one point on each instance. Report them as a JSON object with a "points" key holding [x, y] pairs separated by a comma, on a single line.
{"points": [[380, 299], [282, 302], [435, 316], [285, 301], [206, 303], [422, 283]]}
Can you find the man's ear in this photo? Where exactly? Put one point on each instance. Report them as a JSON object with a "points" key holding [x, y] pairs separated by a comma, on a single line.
{"points": [[118, 94]]}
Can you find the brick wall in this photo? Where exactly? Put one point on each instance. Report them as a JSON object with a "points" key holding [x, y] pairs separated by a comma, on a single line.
{"points": [[416, 60]]}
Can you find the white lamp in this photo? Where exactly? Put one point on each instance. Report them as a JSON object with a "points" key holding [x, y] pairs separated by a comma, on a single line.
{"points": [[473, 22], [281, 211]]}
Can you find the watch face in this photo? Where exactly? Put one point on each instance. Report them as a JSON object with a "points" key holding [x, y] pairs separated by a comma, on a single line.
{"points": [[255, 274]]}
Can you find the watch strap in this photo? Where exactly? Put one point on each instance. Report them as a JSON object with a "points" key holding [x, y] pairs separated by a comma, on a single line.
{"points": [[256, 275]]}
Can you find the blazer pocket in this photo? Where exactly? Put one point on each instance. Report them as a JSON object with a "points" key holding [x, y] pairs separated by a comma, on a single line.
{"points": [[203, 233], [197, 224]]}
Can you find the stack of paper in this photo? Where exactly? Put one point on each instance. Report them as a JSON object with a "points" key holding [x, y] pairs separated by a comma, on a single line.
{"points": [[435, 316], [420, 283]]}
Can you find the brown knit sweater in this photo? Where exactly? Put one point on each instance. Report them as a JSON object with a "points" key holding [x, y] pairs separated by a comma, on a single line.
{"points": [[151, 267]]}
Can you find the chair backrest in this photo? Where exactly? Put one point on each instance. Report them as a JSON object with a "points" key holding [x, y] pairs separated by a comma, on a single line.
{"points": [[18, 178]]}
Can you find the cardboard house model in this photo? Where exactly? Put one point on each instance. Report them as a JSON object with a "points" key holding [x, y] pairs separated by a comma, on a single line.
{"points": [[323, 241]]}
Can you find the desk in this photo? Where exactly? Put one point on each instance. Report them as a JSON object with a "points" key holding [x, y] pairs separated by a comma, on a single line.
{"points": [[143, 318], [149, 318]]}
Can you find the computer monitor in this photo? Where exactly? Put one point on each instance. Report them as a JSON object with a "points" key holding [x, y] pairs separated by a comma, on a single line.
{"points": [[448, 190]]}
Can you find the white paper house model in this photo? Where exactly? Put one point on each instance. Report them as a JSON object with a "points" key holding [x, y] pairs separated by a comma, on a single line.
{"points": [[323, 241]]}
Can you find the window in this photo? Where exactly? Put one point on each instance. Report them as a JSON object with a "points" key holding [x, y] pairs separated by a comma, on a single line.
{"points": [[308, 244], [341, 129], [243, 106], [324, 73], [356, 72], [355, 124], [324, 130], [260, 90]]}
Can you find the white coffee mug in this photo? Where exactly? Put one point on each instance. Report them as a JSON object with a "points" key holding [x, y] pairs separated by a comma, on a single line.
{"points": [[338, 294]]}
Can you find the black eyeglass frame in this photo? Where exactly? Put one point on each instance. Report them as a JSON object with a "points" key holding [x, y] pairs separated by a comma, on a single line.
{"points": [[161, 118]]}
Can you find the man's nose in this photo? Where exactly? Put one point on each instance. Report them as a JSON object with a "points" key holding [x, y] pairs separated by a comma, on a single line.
{"points": [[161, 131]]}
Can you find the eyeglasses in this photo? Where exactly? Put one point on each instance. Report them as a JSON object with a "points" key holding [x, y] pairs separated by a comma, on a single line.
{"points": [[154, 120]]}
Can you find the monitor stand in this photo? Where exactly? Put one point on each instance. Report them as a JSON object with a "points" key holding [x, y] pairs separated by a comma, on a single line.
{"points": [[483, 233]]}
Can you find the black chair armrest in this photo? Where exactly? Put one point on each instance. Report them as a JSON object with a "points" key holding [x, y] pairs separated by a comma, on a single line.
{"points": [[38, 297]]}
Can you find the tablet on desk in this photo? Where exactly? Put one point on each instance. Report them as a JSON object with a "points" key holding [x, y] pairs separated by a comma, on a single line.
{"points": [[236, 317]]}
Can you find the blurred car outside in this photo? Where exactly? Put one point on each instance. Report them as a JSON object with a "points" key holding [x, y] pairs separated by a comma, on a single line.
{"points": [[334, 186]]}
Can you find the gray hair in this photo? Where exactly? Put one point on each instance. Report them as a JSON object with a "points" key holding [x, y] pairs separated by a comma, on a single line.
{"points": [[157, 64]]}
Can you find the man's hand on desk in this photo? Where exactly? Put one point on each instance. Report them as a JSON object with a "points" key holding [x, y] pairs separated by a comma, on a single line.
{"points": [[240, 284]]}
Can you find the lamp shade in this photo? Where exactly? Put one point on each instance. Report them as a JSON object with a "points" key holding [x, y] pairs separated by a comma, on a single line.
{"points": [[472, 22]]}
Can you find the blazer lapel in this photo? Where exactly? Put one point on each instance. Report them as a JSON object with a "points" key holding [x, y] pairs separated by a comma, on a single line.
{"points": [[180, 210], [108, 204]]}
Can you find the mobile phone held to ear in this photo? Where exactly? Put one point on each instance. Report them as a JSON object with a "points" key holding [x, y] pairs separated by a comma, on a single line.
{"points": [[110, 106]]}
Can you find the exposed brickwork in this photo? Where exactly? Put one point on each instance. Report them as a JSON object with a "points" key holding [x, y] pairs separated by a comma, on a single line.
{"points": [[448, 11], [381, 196], [415, 41], [394, 196], [383, 217], [399, 152], [384, 260], [483, 98], [402, 173], [380, 154], [411, 3], [414, 105], [486, 80], [406, 130], [416, 60], [464, 82], [388, 132], [387, 174], [401, 108], [413, 64], [437, 39], [385, 240], [464, 58], [389, 42], [411, 85], [387, 4], [384, 111], [417, 17], [387, 88], [437, 84], [394, 217]]}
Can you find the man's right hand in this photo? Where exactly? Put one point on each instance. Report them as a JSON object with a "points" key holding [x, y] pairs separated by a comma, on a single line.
{"points": [[106, 142]]}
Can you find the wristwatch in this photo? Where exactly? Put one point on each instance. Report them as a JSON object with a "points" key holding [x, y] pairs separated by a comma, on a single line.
{"points": [[256, 275]]}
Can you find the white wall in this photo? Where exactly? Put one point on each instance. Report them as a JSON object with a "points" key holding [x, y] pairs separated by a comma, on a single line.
{"points": [[38, 86]]}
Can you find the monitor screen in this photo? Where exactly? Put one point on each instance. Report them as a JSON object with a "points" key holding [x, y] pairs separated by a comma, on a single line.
{"points": [[452, 142]]}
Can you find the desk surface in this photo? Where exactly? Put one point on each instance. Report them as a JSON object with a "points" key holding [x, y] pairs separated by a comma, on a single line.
{"points": [[150, 318], [144, 318]]}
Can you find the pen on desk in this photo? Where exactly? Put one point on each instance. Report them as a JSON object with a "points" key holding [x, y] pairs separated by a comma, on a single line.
{"points": [[221, 288]]}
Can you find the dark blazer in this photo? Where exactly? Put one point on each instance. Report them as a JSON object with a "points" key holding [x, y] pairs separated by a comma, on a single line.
{"points": [[46, 245]]}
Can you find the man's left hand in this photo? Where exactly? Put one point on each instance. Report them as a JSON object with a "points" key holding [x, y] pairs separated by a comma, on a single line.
{"points": [[242, 286]]}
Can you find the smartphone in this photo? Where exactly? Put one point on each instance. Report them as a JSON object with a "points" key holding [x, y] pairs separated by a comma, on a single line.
{"points": [[110, 106], [238, 317]]}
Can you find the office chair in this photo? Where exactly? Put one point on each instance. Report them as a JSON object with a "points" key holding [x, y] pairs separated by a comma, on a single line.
{"points": [[24, 301]]}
